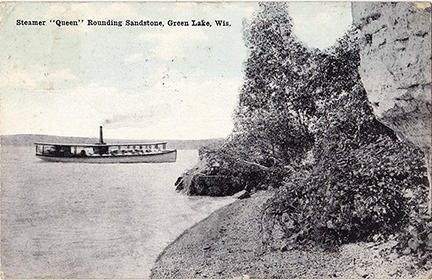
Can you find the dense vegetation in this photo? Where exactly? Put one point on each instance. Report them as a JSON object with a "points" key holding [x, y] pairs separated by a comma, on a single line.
{"points": [[305, 128]]}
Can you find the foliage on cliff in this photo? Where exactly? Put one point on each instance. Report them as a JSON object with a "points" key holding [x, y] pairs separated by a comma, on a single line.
{"points": [[304, 125], [359, 181], [363, 184]]}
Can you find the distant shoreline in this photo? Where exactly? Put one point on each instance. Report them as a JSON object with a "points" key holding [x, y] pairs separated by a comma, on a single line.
{"points": [[20, 140]]}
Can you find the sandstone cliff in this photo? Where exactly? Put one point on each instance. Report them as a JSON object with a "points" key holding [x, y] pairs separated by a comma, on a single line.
{"points": [[395, 51]]}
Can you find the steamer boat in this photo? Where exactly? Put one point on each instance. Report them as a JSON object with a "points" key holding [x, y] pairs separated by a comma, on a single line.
{"points": [[106, 153]]}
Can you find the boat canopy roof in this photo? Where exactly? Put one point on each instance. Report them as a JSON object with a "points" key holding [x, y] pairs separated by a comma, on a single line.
{"points": [[99, 144]]}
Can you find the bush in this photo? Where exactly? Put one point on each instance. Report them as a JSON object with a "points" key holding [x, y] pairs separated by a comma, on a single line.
{"points": [[364, 183]]}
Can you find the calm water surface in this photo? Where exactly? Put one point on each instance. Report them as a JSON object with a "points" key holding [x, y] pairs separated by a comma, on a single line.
{"points": [[77, 220]]}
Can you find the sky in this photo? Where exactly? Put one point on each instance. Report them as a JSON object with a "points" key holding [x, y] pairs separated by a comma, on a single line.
{"points": [[138, 82]]}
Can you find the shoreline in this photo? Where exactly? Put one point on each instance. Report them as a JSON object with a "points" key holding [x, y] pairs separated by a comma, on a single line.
{"points": [[227, 244]]}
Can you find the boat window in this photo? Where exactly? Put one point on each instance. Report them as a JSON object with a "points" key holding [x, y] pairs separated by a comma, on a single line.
{"points": [[47, 150]]}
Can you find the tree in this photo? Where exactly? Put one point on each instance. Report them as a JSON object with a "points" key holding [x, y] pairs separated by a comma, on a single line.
{"points": [[271, 122], [275, 106]]}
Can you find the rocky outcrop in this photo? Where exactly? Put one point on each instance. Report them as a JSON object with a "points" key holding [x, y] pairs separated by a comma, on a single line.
{"points": [[395, 51], [202, 179]]}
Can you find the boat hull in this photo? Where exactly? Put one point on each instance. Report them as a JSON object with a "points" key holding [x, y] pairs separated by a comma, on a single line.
{"points": [[158, 157]]}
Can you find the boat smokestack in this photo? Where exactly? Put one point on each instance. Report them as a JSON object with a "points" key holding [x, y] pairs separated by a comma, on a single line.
{"points": [[101, 135]]}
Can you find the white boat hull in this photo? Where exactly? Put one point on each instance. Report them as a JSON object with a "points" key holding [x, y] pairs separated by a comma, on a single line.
{"points": [[156, 157]]}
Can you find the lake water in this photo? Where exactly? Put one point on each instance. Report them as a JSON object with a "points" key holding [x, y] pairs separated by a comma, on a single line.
{"points": [[76, 220]]}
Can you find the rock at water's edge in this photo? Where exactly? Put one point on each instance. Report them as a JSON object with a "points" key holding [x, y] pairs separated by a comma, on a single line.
{"points": [[202, 179]]}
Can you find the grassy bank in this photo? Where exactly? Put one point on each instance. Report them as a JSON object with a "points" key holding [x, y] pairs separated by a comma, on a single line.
{"points": [[228, 244]]}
